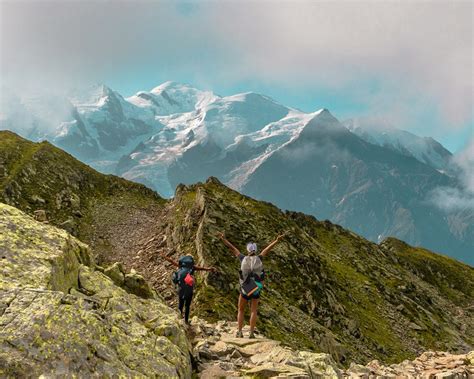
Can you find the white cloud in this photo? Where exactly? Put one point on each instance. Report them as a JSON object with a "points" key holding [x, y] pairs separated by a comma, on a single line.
{"points": [[465, 161], [416, 49], [415, 52], [450, 198]]}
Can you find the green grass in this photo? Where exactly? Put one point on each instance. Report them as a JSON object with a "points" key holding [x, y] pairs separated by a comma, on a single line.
{"points": [[349, 280], [71, 191]]}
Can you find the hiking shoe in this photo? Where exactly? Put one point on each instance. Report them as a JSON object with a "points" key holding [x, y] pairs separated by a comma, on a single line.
{"points": [[239, 334], [251, 336]]}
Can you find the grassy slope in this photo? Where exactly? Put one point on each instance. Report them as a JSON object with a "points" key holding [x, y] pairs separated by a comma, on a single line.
{"points": [[446, 273], [327, 288], [109, 213]]}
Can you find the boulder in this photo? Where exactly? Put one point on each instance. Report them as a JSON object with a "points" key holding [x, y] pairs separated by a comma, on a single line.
{"points": [[320, 364], [116, 273], [222, 349], [36, 255], [136, 284], [215, 371], [274, 370], [59, 317], [470, 359], [40, 215]]}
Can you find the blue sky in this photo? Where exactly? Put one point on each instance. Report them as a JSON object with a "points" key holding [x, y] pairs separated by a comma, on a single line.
{"points": [[407, 63]]}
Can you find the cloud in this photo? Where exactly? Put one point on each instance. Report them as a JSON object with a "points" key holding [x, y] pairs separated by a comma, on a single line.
{"points": [[462, 197], [414, 53], [465, 161], [452, 199]]}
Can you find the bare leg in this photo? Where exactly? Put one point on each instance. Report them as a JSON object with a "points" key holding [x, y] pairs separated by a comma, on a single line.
{"points": [[253, 314], [241, 313]]}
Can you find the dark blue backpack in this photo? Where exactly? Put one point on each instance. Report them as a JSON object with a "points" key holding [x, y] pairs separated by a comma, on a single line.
{"points": [[186, 265]]}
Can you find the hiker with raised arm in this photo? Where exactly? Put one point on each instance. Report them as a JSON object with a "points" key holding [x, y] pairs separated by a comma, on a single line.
{"points": [[183, 278], [251, 280]]}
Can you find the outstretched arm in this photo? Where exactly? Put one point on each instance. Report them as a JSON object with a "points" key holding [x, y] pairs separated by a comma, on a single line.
{"points": [[271, 245], [172, 261], [228, 244], [201, 268]]}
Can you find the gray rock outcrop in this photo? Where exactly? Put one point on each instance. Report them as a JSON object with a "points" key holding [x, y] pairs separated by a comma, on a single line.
{"points": [[60, 317]]}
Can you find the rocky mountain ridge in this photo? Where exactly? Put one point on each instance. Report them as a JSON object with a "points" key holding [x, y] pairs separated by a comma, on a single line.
{"points": [[75, 197], [328, 290], [70, 317], [399, 294], [424, 149]]}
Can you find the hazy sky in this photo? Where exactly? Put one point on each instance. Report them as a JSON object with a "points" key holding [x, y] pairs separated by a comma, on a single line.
{"points": [[408, 62]]}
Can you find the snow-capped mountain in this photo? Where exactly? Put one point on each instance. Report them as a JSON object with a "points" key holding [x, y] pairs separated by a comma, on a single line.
{"points": [[151, 130], [374, 181], [171, 98], [332, 173], [97, 125], [424, 149], [214, 138]]}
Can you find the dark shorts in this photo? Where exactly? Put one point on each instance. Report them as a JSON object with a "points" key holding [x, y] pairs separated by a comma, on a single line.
{"points": [[255, 295], [185, 292], [252, 296]]}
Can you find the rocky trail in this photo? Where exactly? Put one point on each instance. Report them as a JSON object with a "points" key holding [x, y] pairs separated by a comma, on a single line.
{"points": [[219, 354]]}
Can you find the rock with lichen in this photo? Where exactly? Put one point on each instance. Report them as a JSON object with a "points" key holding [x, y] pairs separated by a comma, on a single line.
{"points": [[40, 215], [135, 283], [116, 273], [59, 317]]}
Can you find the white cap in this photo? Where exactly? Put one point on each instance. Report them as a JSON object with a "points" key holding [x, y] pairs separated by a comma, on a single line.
{"points": [[251, 247]]}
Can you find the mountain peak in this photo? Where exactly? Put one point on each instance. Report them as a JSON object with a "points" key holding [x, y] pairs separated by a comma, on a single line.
{"points": [[251, 96], [98, 89], [381, 132], [324, 116], [171, 85], [91, 94], [323, 112]]}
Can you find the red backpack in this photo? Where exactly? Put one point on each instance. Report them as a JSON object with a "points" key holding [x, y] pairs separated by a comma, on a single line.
{"points": [[189, 280]]}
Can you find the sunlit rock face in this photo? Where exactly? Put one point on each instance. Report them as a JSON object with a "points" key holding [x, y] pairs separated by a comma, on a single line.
{"points": [[59, 316]]}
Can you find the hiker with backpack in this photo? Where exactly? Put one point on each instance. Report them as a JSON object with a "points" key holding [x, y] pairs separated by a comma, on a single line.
{"points": [[183, 278], [251, 276]]}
